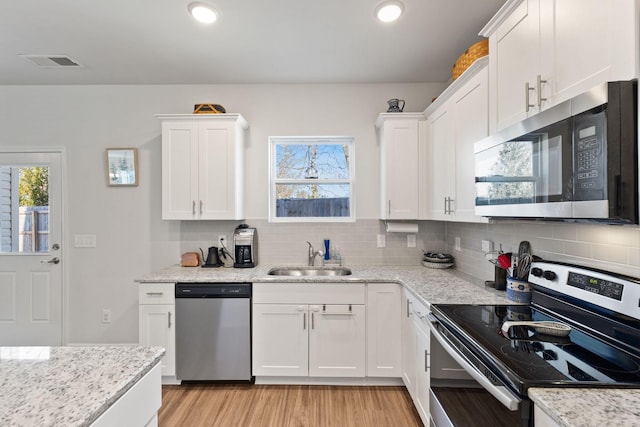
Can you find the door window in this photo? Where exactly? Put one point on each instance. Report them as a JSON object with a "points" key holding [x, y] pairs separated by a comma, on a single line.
{"points": [[24, 209]]}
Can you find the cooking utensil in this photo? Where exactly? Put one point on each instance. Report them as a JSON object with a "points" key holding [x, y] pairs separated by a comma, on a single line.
{"points": [[505, 262], [542, 327], [524, 264]]}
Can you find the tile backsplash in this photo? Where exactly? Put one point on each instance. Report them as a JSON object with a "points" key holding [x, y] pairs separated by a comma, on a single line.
{"points": [[608, 247], [614, 248], [286, 243]]}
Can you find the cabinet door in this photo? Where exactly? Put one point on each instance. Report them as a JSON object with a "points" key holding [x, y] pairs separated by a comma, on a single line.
{"points": [[337, 341], [384, 330], [408, 346], [423, 361], [400, 169], [515, 59], [585, 43], [179, 170], [471, 107], [218, 171], [156, 327], [280, 340], [442, 152]]}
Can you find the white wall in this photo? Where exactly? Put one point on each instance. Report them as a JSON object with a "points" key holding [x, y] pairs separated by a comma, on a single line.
{"points": [[131, 237]]}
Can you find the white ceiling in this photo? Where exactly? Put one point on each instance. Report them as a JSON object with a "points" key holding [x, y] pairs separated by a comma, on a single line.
{"points": [[254, 41]]}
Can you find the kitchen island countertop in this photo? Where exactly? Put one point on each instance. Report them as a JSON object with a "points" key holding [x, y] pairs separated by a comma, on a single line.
{"points": [[68, 386], [581, 407]]}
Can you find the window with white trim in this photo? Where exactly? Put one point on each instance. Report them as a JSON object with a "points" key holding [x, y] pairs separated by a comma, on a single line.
{"points": [[311, 179]]}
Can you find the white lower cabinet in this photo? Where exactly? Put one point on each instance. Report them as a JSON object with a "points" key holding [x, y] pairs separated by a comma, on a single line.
{"points": [[156, 321], [309, 329], [337, 341], [416, 353], [384, 337], [280, 340]]}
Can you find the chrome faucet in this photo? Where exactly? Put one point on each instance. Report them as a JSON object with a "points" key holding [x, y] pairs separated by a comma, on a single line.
{"points": [[312, 254]]}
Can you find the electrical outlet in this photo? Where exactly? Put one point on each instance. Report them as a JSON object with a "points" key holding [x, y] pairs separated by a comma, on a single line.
{"points": [[106, 315], [487, 246], [381, 241], [457, 244], [222, 240], [411, 240]]}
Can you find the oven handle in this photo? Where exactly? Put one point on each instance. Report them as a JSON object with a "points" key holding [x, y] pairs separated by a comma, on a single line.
{"points": [[502, 393]]}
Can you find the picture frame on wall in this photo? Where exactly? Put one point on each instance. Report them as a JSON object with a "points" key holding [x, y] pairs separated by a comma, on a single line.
{"points": [[122, 167]]}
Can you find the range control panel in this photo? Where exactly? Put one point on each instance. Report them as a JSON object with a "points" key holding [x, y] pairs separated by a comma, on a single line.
{"points": [[609, 290]]}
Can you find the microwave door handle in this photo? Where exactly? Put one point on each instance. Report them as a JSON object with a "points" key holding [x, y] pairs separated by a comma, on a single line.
{"points": [[502, 393], [618, 196]]}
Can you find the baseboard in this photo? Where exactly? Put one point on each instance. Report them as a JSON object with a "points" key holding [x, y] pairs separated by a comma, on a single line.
{"points": [[366, 381]]}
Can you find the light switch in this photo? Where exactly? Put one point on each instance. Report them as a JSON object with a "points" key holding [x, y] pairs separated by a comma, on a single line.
{"points": [[381, 241], [84, 240], [411, 240]]}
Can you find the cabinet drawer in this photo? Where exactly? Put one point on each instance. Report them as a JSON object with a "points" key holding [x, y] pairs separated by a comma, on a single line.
{"points": [[309, 293], [156, 293]]}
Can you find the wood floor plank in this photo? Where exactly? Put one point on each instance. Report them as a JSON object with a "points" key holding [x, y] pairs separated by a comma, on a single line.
{"points": [[285, 406]]}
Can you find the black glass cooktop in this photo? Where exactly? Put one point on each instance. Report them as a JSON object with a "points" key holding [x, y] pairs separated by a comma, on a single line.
{"points": [[527, 359]]}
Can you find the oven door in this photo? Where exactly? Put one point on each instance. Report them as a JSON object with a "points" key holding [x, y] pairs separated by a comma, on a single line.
{"points": [[465, 392]]}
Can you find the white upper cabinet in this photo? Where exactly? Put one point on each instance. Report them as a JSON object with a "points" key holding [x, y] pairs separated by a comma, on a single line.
{"points": [[400, 161], [543, 52], [456, 121], [202, 166]]}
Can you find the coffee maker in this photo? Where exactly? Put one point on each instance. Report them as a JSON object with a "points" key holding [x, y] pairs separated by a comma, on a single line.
{"points": [[245, 240]]}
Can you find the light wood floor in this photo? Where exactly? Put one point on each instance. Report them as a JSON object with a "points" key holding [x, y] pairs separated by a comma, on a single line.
{"points": [[283, 406]]}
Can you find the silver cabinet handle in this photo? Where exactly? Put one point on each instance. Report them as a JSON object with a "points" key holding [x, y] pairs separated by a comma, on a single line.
{"points": [[313, 323], [193, 208], [201, 204], [304, 321], [447, 205], [527, 89], [389, 208], [54, 260], [408, 309], [426, 361], [169, 320], [540, 83], [155, 294]]}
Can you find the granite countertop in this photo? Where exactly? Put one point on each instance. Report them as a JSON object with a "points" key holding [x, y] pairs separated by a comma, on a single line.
{"points": [[433, 286], [580, 407], [67, 386]]}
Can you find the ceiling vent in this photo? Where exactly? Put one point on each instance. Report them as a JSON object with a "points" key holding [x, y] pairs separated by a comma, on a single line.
{"points": [[53, 61]]}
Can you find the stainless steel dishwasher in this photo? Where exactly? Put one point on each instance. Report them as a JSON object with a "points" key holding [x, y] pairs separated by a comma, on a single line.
{"points": [[213, 331]]}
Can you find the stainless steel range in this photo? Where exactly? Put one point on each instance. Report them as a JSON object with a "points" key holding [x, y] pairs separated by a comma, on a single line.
{"points": [[478, 368]]}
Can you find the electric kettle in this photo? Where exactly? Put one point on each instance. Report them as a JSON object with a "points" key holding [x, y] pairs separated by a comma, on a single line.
{"points": [[213, 258]]}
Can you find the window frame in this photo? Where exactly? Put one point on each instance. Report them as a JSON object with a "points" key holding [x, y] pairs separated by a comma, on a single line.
{"points": [[349, 141]]}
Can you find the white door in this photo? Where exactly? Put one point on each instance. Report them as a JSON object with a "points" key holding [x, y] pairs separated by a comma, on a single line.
{"points": [[157, 328], [337, 341], [31, 262], [280, 340]]}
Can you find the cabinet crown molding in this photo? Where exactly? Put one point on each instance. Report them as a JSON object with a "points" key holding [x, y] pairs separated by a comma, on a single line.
{"points": [[470, 72], [499, 17], [235, 117], [397, 116]]}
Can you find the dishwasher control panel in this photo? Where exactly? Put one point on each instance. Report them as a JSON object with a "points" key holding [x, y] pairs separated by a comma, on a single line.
{"points": [[213, 290]]}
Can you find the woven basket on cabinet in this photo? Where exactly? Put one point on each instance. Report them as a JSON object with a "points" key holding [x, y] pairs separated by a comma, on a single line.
{"points": [[475, 51]]}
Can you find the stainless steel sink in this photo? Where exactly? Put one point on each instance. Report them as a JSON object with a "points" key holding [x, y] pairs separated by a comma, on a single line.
{"points": [[310, 271]]}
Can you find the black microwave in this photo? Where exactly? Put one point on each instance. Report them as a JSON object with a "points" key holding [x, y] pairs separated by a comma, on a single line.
{"points": [[577, 161]]}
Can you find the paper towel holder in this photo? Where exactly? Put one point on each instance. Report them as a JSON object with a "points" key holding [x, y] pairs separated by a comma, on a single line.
{"points": [[401, 227]]}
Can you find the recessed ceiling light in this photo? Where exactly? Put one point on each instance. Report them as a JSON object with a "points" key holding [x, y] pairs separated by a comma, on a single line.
{"points": [[389, 11], [202, 12]]}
